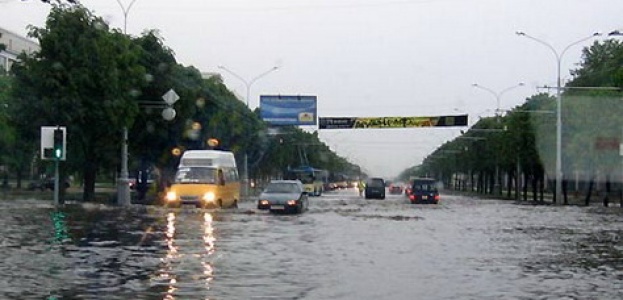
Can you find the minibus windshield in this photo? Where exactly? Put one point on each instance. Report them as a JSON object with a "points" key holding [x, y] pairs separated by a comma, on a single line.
{"points": [[196, 175]]}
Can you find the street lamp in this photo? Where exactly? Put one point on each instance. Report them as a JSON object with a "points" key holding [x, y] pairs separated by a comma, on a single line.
{"points": [[497, 95], [123, 189], [247, 84], [126, 11], [558, 103]]}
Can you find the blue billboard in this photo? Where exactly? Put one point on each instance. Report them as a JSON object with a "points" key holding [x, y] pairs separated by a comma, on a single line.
{"points": [[289, 110]]}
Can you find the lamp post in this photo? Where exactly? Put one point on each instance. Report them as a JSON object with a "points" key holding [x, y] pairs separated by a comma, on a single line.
{"points": [[497, 95], [123, 189], [248, 84], [126, 11], [558, 56]]}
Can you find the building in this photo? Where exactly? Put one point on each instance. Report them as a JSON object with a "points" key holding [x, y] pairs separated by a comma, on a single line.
{"points": [[14, 45]]}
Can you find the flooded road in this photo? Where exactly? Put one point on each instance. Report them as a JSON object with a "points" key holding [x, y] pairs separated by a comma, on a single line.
{"points": [[344, 247]]}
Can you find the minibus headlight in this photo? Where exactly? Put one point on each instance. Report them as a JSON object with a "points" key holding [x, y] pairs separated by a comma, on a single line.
{"points": [[171, 196], [209, 197]]}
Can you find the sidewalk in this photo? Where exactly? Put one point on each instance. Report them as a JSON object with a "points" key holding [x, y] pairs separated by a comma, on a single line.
{"points": [[573, 198]]}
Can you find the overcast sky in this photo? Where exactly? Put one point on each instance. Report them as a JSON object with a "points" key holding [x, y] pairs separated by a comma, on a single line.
{"points": [[368, 58]]}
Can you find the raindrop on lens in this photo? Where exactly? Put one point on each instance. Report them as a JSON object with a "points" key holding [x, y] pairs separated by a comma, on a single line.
{"points": [[200, 102]]}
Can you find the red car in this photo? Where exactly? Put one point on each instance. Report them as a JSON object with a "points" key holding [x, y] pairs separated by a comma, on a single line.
{"points": [[395, 189]]}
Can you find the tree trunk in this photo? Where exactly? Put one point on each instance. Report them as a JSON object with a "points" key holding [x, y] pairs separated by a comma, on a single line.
{"points": [[534, 188], [542, 187], [479, 183], [471, 187], [509, 183], [564, 190], [19, 174], [608, 187], [491, 182], [90, 171], [587, 201], [525, 187]]}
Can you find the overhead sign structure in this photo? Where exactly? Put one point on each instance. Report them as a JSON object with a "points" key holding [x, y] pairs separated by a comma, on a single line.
{"points": [[53, 142], [392, 122], [289, 110]]}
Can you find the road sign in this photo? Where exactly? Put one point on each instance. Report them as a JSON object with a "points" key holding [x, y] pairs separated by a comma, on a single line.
{"points": [[392, 122], [168, 113], [170, 97]]}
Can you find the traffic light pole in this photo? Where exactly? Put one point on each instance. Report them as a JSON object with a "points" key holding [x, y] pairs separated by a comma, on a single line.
{"points": [[59, 153], [56, 184]]}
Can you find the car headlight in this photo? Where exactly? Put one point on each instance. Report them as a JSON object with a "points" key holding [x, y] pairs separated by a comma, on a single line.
{"points": [[209, 197], [171, 196], [264, 202], [291, 202]]}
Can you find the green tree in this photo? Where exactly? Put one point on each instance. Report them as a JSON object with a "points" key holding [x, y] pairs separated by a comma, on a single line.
{"points": [[592, 114], [7, 134], [85, 77]]}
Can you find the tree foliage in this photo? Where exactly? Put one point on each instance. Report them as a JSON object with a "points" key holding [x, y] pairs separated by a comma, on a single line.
{"points": [[85, 77], [592, 130], [97, 81]]}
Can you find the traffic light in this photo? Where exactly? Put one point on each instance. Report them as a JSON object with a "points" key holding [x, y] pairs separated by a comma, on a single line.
{"points": [[58, 143]]}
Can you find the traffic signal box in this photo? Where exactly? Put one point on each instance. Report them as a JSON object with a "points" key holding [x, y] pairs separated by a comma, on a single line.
{"points": [[53, 143], [58, 143]]}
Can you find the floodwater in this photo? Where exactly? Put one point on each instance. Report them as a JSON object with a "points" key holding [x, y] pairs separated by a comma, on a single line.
{"points": [[343, 247]]}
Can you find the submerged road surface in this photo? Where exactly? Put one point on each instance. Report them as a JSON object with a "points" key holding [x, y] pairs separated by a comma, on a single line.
{"points": [[343, 247]]}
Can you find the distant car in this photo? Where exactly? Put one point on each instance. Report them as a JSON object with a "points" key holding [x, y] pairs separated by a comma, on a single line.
{"points": [[46, 184], [395, 189], [284, 196], [424, 190], [375, 188]]}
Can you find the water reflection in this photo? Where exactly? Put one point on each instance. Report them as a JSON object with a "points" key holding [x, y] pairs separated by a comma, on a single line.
{"points": [[209, 240], [170, 236], [178, 272], [170, 255]]}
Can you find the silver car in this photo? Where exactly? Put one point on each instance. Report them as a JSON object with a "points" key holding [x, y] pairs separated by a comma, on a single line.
{"points": [[284, 196]]}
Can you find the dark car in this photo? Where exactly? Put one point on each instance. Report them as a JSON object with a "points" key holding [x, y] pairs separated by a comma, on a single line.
{"points": [[375, 188], [46, 184], [284, 196], [424, 190]]}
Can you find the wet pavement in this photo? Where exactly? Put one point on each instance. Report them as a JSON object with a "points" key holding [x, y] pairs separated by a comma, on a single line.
{"points": [[343, 247]]}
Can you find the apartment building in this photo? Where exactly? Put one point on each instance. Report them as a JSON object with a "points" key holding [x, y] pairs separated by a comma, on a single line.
{"points": [[14, 45]]}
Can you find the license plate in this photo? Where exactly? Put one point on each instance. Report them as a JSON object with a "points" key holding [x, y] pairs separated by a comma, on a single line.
{"points": [[277, 207], [424, 197]]}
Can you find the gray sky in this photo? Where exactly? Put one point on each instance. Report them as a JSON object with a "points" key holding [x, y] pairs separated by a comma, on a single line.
{"points": [[368, 58]]}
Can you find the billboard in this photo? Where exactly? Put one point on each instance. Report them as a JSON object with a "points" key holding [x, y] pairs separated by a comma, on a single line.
{"points": [[392, 122], [288, 110]]}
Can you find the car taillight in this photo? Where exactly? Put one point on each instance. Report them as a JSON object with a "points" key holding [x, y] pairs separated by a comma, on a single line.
{"points": [[412, 197], [436, 197]]}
